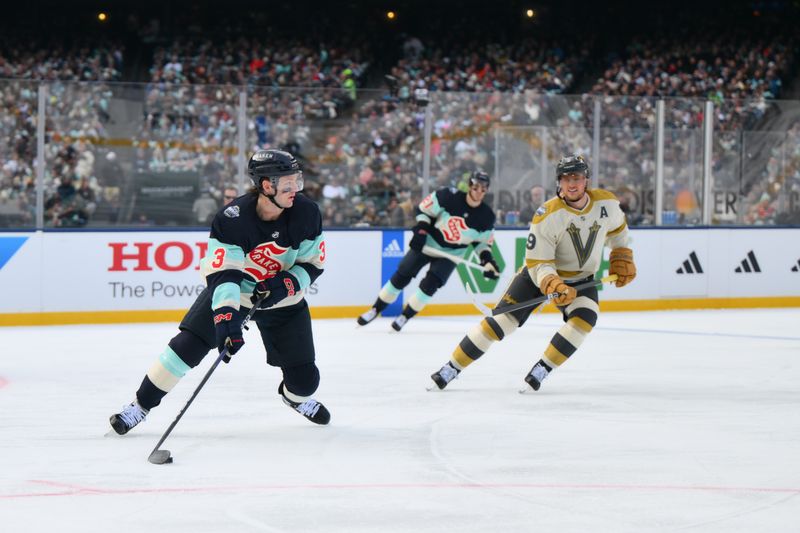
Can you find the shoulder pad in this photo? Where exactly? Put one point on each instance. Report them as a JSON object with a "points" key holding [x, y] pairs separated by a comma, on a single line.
{"points": [[602, 194]]}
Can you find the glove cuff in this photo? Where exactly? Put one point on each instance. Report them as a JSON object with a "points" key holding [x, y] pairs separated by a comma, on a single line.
{"points": [[225, 314], [290, 283], [422, 226], [625, 254]]}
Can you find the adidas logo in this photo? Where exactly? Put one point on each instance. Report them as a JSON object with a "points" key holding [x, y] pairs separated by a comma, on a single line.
{"points": [[691, 265], [393, 249], [796, 268], [749, 264]]}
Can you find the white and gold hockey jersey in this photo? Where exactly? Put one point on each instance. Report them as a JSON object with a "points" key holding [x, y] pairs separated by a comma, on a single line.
{"points": [[568, 242]]}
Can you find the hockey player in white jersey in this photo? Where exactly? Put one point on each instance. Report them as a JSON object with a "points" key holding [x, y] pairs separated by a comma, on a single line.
{"points": [[564, 249]]}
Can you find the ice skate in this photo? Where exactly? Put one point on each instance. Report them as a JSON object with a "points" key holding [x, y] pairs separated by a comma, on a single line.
{"points": [[537, 374], [445, 375], [128, 418], [311, 409], [367, 317], [399, 322]]}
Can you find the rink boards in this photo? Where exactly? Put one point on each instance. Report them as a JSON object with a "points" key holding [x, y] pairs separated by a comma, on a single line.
{"points": [[99, 277]]}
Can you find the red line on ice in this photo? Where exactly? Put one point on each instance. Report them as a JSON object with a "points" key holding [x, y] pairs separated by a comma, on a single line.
{"points": [[77, 490]]}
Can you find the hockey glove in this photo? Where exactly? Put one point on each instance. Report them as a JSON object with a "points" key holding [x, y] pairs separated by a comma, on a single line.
{"points": [[420, 236], [621, 260], [273, 290], [491, 270], [564, 294], [228, 329]]}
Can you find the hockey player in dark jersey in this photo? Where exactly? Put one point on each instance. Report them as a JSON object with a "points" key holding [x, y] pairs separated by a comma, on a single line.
{"points": [[447, 222], [266, 245]]}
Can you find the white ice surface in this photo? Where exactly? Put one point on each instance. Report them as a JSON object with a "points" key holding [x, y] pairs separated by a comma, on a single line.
{"points": [[665, 421]]}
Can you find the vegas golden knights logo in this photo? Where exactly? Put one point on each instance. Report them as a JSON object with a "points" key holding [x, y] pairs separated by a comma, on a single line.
{"points": [[583, 251]]}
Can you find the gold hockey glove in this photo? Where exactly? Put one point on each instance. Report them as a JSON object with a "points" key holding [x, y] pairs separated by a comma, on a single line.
{"points": [[552, 284], [621, 260]]}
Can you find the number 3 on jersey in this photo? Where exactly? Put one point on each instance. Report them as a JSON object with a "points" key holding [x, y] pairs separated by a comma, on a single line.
{"points": [[219, 258]]}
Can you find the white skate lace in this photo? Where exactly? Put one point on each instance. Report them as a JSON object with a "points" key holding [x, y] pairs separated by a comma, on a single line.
{"points": [[448, 373], [539, 372], [401, 320], [132, 414], [308, 408]]}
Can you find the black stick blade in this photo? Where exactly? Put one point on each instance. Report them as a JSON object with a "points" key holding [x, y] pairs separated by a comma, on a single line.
{"points": [[160, 457]]}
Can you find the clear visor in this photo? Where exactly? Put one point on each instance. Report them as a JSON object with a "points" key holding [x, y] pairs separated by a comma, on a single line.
{"points": [[289, 184]]}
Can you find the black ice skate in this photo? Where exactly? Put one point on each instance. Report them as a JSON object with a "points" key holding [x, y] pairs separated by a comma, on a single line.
{"points": [[445, 375], [128, 418], [311, 409], [367, 317], [537, 375], [399, 322]]}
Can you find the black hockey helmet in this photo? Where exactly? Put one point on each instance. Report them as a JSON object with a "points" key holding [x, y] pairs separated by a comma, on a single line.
{"points": [[272, 164], [479, 177], [570, 164]]}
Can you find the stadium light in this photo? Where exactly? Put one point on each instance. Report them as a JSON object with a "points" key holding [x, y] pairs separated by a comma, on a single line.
{"points": [[102, 17], [390, 15], [530, 13]]}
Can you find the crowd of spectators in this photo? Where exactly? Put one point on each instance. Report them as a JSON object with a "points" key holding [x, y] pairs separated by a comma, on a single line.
{"points": [[479, 66], [363, 149], [192, 101], [76, 117], [739, 70]]}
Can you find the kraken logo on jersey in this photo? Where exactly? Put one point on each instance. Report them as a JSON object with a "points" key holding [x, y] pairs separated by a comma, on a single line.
{"points": [[455, 225], [262, 263], [583, 251]]}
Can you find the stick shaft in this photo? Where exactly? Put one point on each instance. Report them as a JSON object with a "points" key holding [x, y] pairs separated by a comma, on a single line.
{"points": [[533, 301], [210, 371]]}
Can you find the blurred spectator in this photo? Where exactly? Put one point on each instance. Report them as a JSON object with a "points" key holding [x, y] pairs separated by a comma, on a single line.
{"points": [[87, 194], [205, 207], [395, 215], [66, 207], [229, 194], [535, 199]]}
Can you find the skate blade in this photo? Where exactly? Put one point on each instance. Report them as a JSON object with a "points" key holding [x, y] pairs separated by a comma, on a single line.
{"points": [[111, 433], [529, 390]]}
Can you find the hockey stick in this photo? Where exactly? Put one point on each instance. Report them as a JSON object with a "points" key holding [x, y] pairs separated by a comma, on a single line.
{"points": [[160, 457], [548, 297], [460, 260]]}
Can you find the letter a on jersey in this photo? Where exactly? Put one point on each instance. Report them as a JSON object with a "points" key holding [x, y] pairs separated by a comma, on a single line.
{"points": [[583, 251]]}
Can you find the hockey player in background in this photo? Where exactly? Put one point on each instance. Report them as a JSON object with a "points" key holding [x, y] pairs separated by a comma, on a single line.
{"points": [[564, 248], [266, 245], [447, 222]]}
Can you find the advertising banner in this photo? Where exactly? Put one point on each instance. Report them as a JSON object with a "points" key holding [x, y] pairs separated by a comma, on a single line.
{"points": [[392, 254], [147, 272]]}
